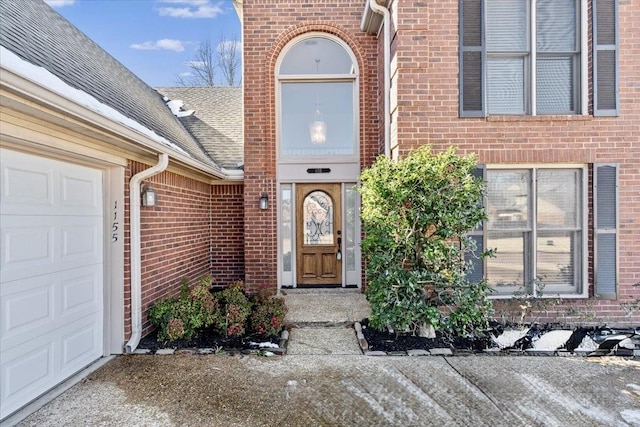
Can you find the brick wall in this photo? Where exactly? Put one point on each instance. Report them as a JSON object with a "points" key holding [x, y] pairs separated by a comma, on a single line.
{"points": [[427, 57], [194, 229], [268, 26], [227, 234]]}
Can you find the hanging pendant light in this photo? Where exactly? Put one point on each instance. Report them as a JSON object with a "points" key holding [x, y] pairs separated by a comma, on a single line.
{"points": [[318, 127]]}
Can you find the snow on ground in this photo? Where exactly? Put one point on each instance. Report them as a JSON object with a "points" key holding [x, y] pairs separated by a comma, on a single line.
{"points": [[509, 337], [552, 340], [46, 79], [587, 344]]}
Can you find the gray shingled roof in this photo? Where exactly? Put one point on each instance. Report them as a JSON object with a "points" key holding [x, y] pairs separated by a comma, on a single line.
{"points": [[217, 121], [39, 35]]}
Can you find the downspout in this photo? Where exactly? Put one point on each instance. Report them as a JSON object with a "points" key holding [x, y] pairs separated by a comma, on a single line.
{"points": [[136, 271], [386, 15]]}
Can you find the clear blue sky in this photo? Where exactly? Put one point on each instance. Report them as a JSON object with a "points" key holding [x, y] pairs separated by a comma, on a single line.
{"points": [[155, 39]]}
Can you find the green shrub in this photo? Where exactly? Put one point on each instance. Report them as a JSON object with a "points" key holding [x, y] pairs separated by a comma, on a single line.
{"points": [[236, 308], [267, 316], [416, 212], [179, 317]]}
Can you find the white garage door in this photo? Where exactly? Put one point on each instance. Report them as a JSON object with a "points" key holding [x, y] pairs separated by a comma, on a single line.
{"points": [[51, 278]]}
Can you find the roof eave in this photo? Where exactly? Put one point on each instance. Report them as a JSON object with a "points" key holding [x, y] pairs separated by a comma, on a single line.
{"points": [[42, 95]]}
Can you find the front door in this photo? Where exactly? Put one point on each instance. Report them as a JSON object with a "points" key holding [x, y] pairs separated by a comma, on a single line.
{"points": [[319, 235]]}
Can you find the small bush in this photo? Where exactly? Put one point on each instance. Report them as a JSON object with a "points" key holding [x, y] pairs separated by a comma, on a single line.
{"points": [[267, 316], [236, 308], [179, 317]]}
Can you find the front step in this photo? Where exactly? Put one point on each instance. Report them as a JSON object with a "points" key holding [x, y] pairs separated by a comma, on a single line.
{"points": [[325, 306]]}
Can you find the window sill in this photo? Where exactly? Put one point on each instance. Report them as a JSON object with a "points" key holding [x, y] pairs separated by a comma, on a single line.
{"points": [[551, 118]]}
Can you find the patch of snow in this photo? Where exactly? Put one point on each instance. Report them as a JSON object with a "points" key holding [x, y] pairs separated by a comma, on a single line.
{"points": [[268, 354], [176, 108], [587, 344], [46, 79], [627, 343], [266, 344], [552, 340], [509, 337], [635, 387], [632, 416]]}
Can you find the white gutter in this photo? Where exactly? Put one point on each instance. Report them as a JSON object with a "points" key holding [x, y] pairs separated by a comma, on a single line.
{"points": [[136, 271], [386, 15]]}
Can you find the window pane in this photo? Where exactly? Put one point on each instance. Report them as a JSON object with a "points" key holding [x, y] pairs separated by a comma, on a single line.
{"points": [[301, 103], [508, 195], [556, 25], [317, 211], [556, 254], [317, 55], [555, 89], [506, 22], [350, 235], [506, 85], [286, 228], [505, 271], [558, 199]]}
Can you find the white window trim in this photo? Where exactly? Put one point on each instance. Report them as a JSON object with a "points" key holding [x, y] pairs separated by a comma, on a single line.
{"points": [[584, 278]]}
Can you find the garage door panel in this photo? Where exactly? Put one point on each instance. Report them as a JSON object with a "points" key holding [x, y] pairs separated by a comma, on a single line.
{"points": [[31, 369], [79, 191], [82, 292], [34, 185], [43, 245], [51, 274], [81, 346], [25, 372], [31, 308], [26, 184], [38, 306], [25, 245]]}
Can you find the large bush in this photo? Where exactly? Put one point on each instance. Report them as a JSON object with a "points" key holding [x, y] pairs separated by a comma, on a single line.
{"points": [[416, 213], [179, 317]]}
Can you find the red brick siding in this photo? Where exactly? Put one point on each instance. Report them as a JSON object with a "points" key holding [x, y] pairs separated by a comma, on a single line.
{"points": [[427, 54], [227, 233], [425, 44], [194, 229], [268, 26]]}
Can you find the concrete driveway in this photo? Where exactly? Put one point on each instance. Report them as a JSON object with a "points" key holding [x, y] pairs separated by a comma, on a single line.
{"points": [[210, 390]]}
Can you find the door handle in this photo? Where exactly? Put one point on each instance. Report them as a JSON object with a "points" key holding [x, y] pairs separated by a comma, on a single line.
{"points": [[339, 254]]}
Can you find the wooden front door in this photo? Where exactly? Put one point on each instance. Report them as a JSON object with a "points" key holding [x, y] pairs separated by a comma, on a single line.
{"points": [[318, 235]]}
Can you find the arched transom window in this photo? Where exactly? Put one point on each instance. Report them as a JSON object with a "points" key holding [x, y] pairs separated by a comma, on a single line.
{"points": [[317, 99]]}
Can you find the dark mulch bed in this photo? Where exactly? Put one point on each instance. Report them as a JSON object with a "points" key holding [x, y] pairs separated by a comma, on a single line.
{"points": [[207, 339], [395, 342]]}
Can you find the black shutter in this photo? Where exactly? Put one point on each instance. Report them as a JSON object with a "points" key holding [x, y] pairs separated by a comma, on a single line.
{"points": [[605, 219], [476, 274], [605, 58], [471, 53]]}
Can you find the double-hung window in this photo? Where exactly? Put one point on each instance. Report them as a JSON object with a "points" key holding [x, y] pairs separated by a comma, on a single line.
{"points": [[529, 57], [536, 223]]}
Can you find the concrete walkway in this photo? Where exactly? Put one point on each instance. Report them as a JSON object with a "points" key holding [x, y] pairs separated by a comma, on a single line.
{"points": [[326, 382], [321, 321]]}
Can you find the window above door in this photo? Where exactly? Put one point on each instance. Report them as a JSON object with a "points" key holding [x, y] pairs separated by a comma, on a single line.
{"points": [[317, 100]]}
